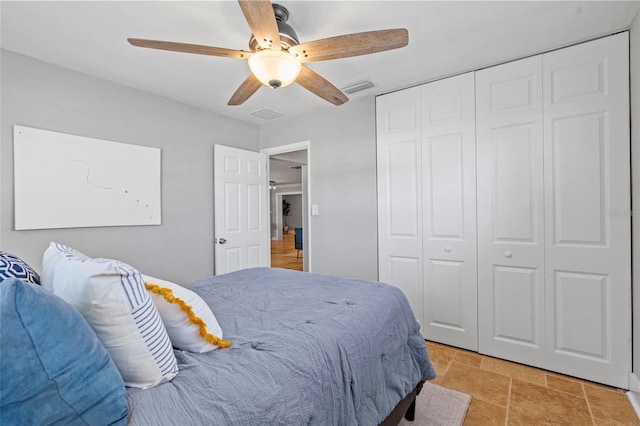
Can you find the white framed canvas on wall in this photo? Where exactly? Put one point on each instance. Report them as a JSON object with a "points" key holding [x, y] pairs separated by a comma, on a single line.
{"points": [[69, 181]]}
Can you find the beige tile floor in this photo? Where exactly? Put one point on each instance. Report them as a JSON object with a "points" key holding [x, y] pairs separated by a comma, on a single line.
{"points": [[507, 393]]}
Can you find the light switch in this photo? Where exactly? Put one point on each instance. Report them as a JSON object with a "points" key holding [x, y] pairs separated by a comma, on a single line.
{"points": [[314, 210]]}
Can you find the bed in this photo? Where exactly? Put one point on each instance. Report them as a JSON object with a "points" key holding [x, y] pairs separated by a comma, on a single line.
{"points": [[305, 349]]}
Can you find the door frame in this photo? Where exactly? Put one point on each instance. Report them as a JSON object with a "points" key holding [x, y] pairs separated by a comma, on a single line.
{"points": [[278, 211], [306, 194]]}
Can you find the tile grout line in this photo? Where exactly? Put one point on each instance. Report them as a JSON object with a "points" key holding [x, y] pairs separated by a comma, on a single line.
{"points": [[506, 412], [566, 392], [446, 370], [506, 417], [586, 399]]}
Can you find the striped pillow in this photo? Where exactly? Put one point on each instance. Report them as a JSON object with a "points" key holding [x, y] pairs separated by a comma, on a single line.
{"points": [[50, 258], [112, 298]]}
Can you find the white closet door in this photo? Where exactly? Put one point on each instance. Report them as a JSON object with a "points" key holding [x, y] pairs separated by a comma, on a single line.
{"points": [[510, 211], [399, 194], [449, 211], [587, 183]]}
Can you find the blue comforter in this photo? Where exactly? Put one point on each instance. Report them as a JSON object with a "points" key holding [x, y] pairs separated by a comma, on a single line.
{"points": [[306, 349]]}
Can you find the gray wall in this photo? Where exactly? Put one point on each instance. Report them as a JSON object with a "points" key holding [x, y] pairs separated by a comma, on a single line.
{"points": [[342, 183], [634, 44], [295, 211], [276, 225], [272, 216], [37, 94]]}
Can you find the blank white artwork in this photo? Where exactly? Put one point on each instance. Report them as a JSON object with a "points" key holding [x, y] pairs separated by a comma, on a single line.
{"points": [[68, 181]]}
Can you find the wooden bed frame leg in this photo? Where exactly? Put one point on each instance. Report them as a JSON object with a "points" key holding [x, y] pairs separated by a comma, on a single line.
{"points": [[406, 408], [410, 415]]}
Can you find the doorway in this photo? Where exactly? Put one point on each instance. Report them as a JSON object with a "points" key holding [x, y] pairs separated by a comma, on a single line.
{"points": [[288, 171]]}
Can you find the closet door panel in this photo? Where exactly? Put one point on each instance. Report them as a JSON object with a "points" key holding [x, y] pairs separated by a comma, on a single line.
{"points": [[402, 173], [515, 292], [449, 213], [578, 146], [400, 195], [445, 203], [513, 150], [582, 298], [446, 281], [587, 181], [510, 211]]}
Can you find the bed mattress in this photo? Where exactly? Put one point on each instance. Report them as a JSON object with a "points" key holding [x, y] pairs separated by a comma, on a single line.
{"points": [[306, 349]]}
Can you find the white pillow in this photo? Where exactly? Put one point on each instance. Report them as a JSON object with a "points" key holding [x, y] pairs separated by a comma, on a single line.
{"points": [[112, 298], [183, 333], [51, 256]]}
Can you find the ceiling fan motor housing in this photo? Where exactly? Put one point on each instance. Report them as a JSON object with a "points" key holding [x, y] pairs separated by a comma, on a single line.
{"points": [[288, 36]]}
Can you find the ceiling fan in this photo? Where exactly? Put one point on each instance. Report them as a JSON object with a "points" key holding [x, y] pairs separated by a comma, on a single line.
{"points": [[276, 57]]}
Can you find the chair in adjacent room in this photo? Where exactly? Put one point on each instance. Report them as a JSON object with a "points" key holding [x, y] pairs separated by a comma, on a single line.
{"points": [[298, 241]]}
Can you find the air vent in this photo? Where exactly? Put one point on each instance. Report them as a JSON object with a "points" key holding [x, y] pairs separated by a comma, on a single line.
{"points": [[357, 87], [267, 114]]}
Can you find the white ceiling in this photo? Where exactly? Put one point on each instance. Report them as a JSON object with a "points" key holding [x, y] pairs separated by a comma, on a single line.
{"points": [[299, 157], [445, 38], [281, 173], [280, 167]]}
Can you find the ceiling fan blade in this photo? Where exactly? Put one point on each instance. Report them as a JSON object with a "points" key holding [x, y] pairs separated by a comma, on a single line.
{"points": [[348, 45], [189, 48], [244, 92], [317, 85], [262, 22]]}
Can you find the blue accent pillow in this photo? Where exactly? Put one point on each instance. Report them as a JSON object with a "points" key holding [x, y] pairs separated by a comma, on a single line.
{"points": [[14, 267], [53, 367]]}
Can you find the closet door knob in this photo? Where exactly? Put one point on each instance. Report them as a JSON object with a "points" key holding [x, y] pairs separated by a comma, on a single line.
{"points": [[447, 249], [508, 254]]}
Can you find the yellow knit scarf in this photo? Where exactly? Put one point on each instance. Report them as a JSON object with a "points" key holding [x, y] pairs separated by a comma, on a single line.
{"points": [[193, 318]]}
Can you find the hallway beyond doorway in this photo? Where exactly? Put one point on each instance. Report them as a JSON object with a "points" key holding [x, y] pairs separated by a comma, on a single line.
{"points": [[283, 253]]}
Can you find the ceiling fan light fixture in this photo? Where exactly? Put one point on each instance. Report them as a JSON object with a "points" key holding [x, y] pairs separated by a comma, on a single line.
{"points": [[274, 68], [276, 56]]}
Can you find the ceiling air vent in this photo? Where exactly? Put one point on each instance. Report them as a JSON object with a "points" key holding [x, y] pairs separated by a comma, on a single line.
{"points": [[267, 114], [357, 87]]}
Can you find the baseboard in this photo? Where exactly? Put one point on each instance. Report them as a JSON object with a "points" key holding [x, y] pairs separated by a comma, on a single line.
{"points": [[634, 393], [634, 383], [634, 398]]}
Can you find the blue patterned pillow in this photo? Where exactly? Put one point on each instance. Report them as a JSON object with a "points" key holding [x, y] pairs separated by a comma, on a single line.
{"points": [[14, 267], [54, 369]]}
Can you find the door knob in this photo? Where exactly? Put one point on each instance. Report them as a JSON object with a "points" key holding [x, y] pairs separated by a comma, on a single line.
{"points": [[222, 241], [447, 249], [508, 254]]}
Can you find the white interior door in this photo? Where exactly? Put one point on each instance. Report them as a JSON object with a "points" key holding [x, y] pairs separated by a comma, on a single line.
{"points": [[449, 211], [511, 211], [588, 224], [240, 210], [400, 195]]}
